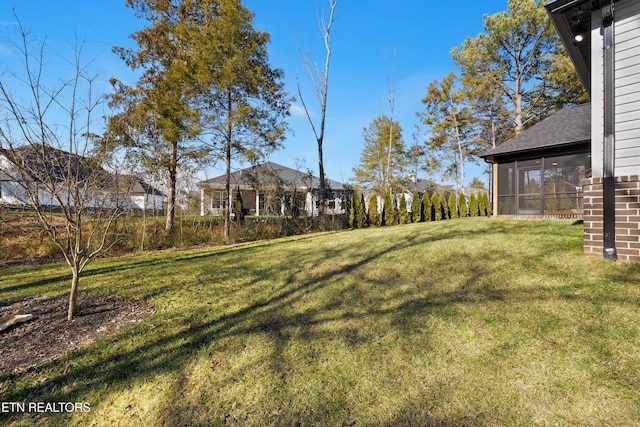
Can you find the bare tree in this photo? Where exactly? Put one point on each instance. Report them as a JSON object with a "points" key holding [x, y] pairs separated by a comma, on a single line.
{"points": [[391, 94], [46, 140], [320, 81]]}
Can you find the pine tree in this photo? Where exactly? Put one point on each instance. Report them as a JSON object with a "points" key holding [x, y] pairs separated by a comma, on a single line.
{"points": [[436, 207], [384, 157], [403, 213], [374, 216], [416, 207], [453, 206], [426, 207], [473, 205], [462, 205]]}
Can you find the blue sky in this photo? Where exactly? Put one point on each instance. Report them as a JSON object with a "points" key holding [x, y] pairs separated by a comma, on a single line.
{"points": [[369, 37]]}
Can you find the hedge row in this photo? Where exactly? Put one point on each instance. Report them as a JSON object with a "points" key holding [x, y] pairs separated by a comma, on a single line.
{"points": [[434, 207]]}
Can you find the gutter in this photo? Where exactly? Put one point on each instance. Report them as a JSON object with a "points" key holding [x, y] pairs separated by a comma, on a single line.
{"points": [[608, 173]]}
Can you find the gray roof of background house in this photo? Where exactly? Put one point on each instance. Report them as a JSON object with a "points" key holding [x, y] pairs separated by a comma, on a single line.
{"points": [[62, 166], [257, 175], [136, 185], [565, 127]]}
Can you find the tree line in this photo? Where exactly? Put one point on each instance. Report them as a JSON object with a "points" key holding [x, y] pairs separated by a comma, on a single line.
{"points": [[365, 211], [510, 76]]}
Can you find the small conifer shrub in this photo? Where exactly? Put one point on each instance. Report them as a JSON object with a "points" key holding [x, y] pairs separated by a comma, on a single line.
{"points": [[445, 207], [374, 216], [403, 213], [453, 206], [473, 205], [487, 204], [389, 210], [238, 207], [362, 212], [416, 207], [426, 207], [352, 209], [436, 208], [462, 205]]}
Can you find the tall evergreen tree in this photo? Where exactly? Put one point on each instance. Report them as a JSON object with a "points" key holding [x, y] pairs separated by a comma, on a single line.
{"points": [[205, 70], [241, 97], [448, 120], [512, 57]]}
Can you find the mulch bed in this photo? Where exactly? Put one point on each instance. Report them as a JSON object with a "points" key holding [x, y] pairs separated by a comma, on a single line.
{"points": [[49, 335]]}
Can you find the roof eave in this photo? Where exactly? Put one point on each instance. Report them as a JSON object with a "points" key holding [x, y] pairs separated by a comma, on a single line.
{"points": [[558, 12], [491, 157]]}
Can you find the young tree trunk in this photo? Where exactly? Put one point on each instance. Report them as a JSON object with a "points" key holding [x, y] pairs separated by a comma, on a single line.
{"points": [[73, 294], [323, 184], [227, 184], [171, 197], [229, 135]]}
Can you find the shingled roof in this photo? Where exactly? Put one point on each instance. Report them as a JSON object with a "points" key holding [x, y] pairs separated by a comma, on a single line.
{"points": [[260, 174], [565, 127]]}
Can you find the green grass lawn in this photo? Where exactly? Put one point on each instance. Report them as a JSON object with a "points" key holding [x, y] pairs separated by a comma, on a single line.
{"points": [[467, 322]]}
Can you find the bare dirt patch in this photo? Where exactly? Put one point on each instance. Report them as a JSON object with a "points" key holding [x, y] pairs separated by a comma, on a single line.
{"points": [[49, 335]]}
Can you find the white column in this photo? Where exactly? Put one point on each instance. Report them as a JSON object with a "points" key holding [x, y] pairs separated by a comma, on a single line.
{"points": [[201, 202], [257, 203]]}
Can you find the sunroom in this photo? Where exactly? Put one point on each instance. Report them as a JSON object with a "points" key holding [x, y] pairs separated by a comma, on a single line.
{"points": [[539, 172]]}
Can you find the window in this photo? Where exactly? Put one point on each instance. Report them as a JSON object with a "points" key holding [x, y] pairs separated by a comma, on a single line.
{"points": [[218, 199]]}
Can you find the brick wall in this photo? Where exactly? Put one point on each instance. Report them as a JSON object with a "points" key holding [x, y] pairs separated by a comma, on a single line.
{"points": [[627, 217]]}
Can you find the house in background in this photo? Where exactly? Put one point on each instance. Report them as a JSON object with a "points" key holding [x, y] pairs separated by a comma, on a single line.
{"points": [[55, 171], [141, 194], [272, 189], [539, 172], [602, 38]]}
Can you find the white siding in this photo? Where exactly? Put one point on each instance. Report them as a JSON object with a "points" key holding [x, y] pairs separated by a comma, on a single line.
{"points": [[627, 88], [596, 96]]}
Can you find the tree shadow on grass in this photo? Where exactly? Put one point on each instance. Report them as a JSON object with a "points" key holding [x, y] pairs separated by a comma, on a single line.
{"points": [[170, 343]]}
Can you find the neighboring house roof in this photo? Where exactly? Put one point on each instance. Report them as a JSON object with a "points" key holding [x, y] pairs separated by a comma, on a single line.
{"points": [[264, 173], [564, 128], [42, 163], [63, 165], [136, 185]]}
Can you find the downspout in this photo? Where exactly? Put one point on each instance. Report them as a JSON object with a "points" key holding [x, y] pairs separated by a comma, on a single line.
{"points": [[608, 175]]}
